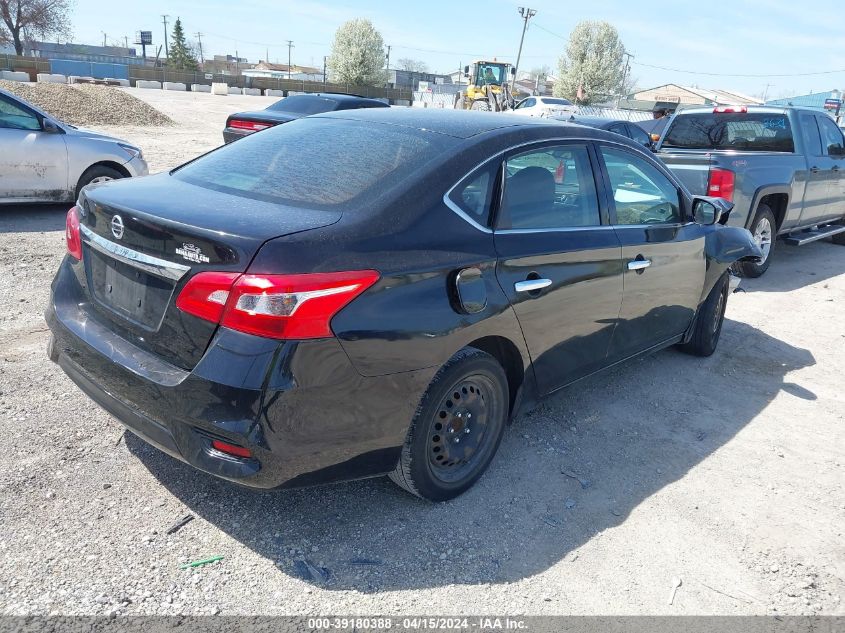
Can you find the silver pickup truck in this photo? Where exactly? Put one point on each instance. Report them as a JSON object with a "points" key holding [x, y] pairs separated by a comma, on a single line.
{"points": [[783, 168]]}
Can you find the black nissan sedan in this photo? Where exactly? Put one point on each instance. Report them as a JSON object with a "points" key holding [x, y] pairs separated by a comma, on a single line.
{"points": [[625, 128], [291, 108], [380, 291]]}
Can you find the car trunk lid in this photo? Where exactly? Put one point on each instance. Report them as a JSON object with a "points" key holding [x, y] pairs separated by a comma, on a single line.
{"points": [[143, 240]]}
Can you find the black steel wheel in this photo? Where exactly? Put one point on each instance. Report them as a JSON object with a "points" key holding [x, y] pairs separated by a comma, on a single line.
{"points": [[708, 322], [457, 428]]}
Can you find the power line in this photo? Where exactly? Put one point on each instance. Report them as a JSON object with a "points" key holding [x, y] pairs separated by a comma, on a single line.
{"points": [[756, 76]]}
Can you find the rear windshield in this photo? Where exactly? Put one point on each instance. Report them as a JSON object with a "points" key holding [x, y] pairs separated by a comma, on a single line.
{"points": [[305, 104], [317, 163], [762, 132], [557, 101]]}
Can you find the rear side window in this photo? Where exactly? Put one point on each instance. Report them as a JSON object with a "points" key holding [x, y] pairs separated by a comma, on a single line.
{"points": [[474, 194], [810, 131], [318, 162], [762, 132], [549, 188]]}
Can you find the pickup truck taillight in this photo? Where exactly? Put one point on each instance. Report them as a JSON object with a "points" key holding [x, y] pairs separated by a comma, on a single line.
{"points": [[721, 184]]}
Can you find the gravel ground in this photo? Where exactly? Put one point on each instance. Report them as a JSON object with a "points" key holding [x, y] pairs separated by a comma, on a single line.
{"points": [[726, 473], [88, 104]]}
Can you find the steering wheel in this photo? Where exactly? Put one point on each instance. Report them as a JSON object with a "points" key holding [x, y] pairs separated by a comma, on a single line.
{"points": [[658, 208]]}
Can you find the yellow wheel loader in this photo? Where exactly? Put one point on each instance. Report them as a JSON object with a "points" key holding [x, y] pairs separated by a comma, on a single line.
{"points": [[489, 87]]}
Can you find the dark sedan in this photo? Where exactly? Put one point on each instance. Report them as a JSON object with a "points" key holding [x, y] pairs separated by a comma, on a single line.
{"points": [[625, 128], [379, 292], [290, 108]]}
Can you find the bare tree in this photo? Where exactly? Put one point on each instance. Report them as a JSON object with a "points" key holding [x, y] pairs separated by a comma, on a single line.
{"points": [[26, 19], [411, 65]]}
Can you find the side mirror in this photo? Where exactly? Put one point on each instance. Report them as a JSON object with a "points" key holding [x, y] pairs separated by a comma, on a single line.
{"points": [[513, 71], [466, 71], [49, 126], [708, 210], [835, 150]]}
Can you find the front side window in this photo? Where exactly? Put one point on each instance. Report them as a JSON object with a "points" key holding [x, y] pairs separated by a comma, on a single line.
{"points": [[831, 136], [14, 117], [549, 188], [641, 194]]}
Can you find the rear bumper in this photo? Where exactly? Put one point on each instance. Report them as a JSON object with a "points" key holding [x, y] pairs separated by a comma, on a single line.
{"points": [[304, 412]]}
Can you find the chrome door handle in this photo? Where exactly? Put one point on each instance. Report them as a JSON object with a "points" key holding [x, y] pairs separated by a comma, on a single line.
{"points": [[814, 169], [639, 264], [532, 285]]}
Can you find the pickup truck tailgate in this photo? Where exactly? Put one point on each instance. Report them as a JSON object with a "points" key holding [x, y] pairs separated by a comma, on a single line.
{"points": [[692, 168]]}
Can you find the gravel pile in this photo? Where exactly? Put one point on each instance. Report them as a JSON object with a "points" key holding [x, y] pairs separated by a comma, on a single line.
{"points": [[88, 104]]}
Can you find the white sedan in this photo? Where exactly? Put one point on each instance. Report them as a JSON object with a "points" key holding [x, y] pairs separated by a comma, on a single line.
{"points": [[545, 107], [45, 160]]}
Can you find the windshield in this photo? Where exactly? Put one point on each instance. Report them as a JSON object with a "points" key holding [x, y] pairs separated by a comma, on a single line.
{"points": [[318, 163], [305, 104], [491, 74], [763, 132]]}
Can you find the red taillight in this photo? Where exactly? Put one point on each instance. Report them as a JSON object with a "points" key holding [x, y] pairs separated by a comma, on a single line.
{"points": [[274, 306], [730, 110], [231, 449], [250, 126], [721, 184], [72, 237]]}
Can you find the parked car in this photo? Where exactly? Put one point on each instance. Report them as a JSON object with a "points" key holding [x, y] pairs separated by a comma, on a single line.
{"points": [[544, 107], [783, 168], [290, 108], [625, 128], [45, 160], [378, 292]]}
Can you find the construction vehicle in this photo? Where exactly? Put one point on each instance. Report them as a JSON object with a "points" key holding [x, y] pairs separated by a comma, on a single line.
{"points": [[489, 88]]}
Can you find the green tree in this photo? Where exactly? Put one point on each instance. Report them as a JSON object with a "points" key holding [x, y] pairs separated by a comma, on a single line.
{"points": [[591, 69], [358, 54], [180, 56]]}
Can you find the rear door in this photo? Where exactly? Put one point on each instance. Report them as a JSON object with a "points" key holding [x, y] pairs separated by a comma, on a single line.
{"points": [[33, 163], [818, 174], [832, 146], [559, 260], [662, 253]]}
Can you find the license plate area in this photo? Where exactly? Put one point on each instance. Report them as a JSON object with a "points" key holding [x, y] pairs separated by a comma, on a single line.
{"points": [[135, 295]]}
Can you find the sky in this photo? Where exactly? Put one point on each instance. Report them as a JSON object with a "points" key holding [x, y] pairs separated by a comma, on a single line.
{"points": [[700, 43]]}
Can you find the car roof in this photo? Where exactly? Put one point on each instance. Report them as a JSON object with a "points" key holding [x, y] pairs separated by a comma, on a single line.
{"points": [[339, 96], [457, 123], [595, 121], [751, 109]]}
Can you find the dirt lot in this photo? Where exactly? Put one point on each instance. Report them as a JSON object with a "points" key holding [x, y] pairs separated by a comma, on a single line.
{"points": [[727, 473]]}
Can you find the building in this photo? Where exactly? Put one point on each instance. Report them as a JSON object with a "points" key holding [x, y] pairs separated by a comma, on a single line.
{"points": [[85, 53], [410, 80], [283, 71], [692, 95], [226, 65], [813, 100]]}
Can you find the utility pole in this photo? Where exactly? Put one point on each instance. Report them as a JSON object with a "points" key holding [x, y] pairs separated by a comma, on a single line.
{"points": [[766, 91], [325, 62], [387, 78], [104, 38], [526, 14], [164, 21], [199, 43], [126, 42], [290, 47], [625, 70]]}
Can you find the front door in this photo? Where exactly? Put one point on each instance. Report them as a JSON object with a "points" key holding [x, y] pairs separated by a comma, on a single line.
{"points": [[33, 163], [662, 254], [559, 260]]}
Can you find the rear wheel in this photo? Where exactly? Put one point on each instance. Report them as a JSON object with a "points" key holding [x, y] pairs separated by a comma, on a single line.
{"points": [[709, 320], [457, 428], [97, 174], [764, 231], [480, 104]]}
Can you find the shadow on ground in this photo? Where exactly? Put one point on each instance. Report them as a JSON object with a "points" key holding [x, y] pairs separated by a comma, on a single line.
{"points": [[620, 436], [794, 267], [33, 218]]}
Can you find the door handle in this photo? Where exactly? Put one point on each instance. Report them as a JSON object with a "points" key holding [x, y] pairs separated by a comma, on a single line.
{"points": [[814, 169], [639, 264], [834, 168], [532, 285]]}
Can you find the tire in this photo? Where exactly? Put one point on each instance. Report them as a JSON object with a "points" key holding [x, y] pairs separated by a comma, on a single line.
{"points": [[95, 174], [434, 465], [709, 320], [481, 105], [764, 230]]}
